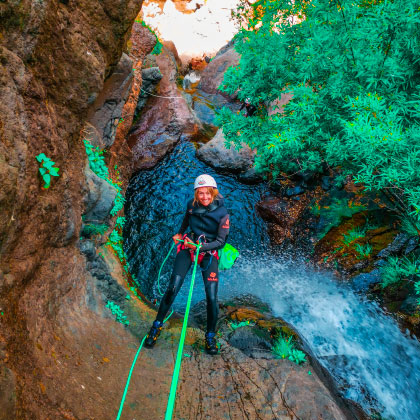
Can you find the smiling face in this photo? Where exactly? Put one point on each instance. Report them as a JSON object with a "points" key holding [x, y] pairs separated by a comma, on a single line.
{"points": [[204, 196]]}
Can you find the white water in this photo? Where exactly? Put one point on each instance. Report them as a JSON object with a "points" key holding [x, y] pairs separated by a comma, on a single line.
{"points": [[373, 362]]}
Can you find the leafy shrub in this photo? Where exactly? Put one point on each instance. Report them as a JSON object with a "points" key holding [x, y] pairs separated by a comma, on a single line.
{"points": [[352, 235], [285, 348], [397, 269], [46, 169], [98, 166], [363, 250], [353, 70]]}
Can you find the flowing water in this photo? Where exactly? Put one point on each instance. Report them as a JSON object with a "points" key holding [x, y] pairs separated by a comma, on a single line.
{"points": [[372, 361]]}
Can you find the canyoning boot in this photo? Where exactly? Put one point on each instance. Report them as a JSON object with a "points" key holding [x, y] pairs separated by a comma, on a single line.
{"points": [[211, 345], [153, 334]]}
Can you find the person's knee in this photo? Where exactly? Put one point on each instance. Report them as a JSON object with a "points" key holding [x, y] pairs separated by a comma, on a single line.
{"points": [[173, 289]]}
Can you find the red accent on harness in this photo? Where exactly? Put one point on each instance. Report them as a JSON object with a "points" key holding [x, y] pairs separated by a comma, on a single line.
{"points": [[201, 255]]}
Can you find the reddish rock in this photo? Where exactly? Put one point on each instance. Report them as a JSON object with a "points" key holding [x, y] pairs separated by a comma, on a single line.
{"points": [[284, 216], [54, 60], [163, 120], [197, 64], [142, 42], [213, 74]]}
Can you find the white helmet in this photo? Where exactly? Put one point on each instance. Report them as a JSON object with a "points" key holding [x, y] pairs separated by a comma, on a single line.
{"points": [[204, 181]]}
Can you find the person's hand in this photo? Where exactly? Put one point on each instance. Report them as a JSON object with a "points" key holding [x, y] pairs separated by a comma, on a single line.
{"points": [[177, 238], [188, 243]]}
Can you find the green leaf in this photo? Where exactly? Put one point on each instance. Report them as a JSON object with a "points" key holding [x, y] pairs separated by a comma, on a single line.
{"points": [[41, 157], [54, 171], [47, 179]]}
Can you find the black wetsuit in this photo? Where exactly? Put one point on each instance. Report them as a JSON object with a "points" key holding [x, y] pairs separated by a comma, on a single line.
{"points": [[212, 224]]}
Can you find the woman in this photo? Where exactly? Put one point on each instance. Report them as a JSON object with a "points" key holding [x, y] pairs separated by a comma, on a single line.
{"points": [[208, 222]]}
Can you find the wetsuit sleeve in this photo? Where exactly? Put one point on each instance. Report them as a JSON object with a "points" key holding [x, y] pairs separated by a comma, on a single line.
{"points": [[184, 223], [222, 234]]}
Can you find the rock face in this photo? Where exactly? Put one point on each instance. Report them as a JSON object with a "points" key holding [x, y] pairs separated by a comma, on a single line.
{"points": [[213, 74], [55, 58], [165, 118]]}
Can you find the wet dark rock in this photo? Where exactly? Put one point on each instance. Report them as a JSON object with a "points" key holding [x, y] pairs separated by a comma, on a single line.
{"points": [[362, 281], [410, 304], [163, 120], [249, 340], [326, 183], [150, 77], [273, 209], [411, 245], [206, 104], [110, 288], [88, 248], [395, 247], [250, 176], [290, 192]]}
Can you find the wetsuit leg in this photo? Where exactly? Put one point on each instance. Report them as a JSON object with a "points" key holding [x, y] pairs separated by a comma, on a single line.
{"points": [[211, 283], [181, 267]]}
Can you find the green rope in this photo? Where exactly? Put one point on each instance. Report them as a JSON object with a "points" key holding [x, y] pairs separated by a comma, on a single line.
{"points": [[182, 338], [160, 270], [175, 376], [131, 371]]}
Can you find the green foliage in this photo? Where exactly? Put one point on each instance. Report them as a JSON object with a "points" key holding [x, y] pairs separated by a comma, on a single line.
{"points": [[412, 228], [98, 166], [235, 325], [116, 242], [118, 312], [354, 71], [336, 212], [352, 235], [46, 169], [397, 269], [363, 250], [96, 160], [285, 348], [92, 229], [119, 223]]}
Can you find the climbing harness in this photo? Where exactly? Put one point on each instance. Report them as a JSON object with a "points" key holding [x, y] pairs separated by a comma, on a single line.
{"points": [[177, 368]]}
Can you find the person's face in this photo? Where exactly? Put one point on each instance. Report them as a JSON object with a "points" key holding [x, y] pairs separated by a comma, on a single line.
{"points": [[204, 196]]}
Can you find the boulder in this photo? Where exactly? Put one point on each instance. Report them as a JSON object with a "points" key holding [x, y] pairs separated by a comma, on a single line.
{"points": [[213, 74], [216, 154], [395, 247], [151, 77], [99, 198], [364, 280]]}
